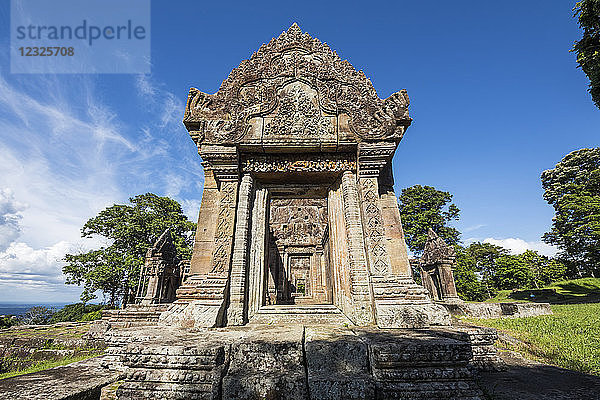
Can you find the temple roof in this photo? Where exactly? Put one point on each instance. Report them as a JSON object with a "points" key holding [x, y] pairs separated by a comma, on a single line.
{"points": [[295, 87], [436, 250]]}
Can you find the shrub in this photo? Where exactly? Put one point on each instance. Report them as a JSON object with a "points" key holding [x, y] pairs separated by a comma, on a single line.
{"points": [[38, 315], [74, 312]]}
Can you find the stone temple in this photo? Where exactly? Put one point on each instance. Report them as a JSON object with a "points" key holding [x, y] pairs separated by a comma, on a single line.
{"points": [[299, 286], [299, 218]]}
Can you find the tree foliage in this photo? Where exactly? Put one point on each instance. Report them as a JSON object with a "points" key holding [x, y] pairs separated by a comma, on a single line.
{"points": [[573, 189], [424, 207], [75, 312], [482, 269], [588, 47], [481, 258], [131, 230], [466, 277], [527, 270]]}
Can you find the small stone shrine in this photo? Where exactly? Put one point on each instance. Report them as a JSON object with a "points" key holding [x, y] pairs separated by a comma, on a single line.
{"points": [[436, 269], [298, 211], [161, 274], [299, 286]]}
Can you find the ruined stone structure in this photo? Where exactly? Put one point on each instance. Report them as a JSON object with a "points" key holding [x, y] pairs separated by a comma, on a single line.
{"points": [[160, 276], [298, 211], [436, 269]]}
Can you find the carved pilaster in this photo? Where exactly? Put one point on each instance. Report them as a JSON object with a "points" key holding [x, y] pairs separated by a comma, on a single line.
{"points": [[258, 250], [359, 274], [225, 228], [237, 313], [379, 261], [372, 158]]}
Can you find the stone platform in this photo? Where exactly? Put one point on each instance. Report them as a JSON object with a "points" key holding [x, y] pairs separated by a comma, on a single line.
{"points": [[292, 362], [135, 315], [83, 380], [498, 310]]}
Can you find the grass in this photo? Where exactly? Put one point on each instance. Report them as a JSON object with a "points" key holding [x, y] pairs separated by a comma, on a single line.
{"points": [[567, 339], [43, 365], [585, 290], [51, 332]]}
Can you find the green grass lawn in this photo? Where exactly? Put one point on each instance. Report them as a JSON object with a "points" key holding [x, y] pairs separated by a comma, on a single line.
{"points": [[568, 339], [585, 290], [43, 365]]}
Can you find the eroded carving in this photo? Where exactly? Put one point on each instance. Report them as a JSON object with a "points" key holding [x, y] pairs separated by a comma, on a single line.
{"points": [[223, 237], [298, 116], [299, 163]]}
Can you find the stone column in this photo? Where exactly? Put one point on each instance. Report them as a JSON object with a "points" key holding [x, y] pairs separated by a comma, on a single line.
{"points": [[392, 224], [338, 248], [363, 313], [258, 248], [204, 241], [237, 312], [372, 158]]}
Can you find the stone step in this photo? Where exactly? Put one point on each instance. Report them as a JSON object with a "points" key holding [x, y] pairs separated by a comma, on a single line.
{"points": [[135, 315], [292, 362], [300, 314]]}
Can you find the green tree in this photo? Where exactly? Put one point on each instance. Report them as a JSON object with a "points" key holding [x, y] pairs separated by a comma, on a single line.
{"points": [[588, 48], [527, 270], [424, 207], [484, 256], [75, 312], [131, 229], [513, 272], [468, 284], [544, 270], [573, 189]]}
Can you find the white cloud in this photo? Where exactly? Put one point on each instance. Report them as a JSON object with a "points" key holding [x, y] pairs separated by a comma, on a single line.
{"points": [[473, 228], [145, 86], [172, 112], [191, 208], [67, 155], [518, 246], [10, 216]]}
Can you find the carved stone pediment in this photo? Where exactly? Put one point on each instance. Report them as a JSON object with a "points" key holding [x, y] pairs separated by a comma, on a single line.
{"points": [[295, 89], [436, 251]]}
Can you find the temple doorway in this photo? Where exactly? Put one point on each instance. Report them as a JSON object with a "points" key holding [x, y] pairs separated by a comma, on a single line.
{"points": [[298, 265]]}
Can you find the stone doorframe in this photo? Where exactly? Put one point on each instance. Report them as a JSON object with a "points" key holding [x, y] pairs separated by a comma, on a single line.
{"points": [[349, 281]]}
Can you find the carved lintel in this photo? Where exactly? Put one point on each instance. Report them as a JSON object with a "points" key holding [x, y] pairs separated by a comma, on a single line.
{"points": [[299, 163]]}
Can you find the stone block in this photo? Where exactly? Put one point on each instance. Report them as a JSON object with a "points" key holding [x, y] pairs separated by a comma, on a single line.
{"points": [[268, 363], [337, 364]]}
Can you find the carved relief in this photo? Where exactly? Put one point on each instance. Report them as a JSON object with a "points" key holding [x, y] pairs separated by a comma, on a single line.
{"points": [[295, 163], [298, 221], [298, 116], [254, 88], [374, 227], [223, 237]]}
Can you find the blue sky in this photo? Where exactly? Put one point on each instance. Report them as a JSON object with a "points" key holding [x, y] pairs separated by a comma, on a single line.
{"points": [[495, 95]]}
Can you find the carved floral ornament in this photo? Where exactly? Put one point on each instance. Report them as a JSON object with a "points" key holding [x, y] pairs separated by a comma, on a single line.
{"points": [[254, 89]]}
